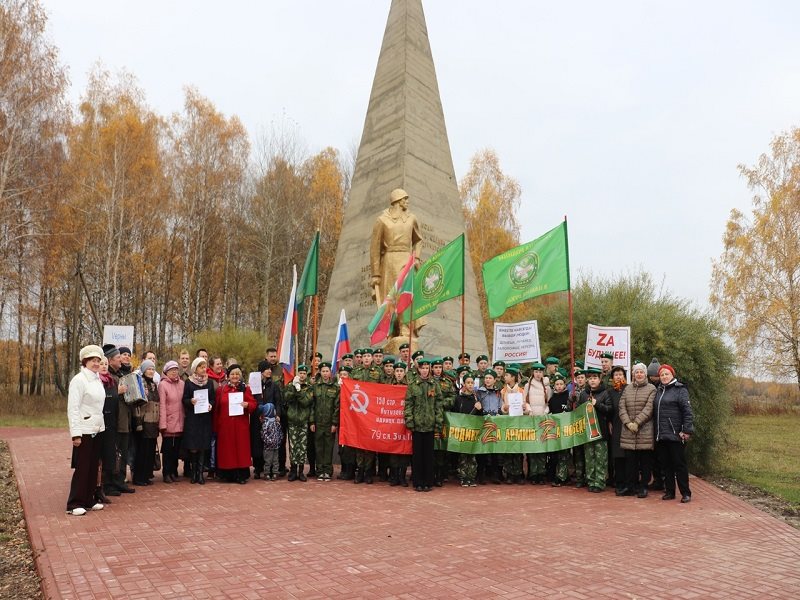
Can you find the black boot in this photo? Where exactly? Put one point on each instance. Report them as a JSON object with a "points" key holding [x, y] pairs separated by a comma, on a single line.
{"points": [[359, 478], [300, 475], [292, 473], [403, 480], [348, 472], [192, 467], [368, 476], [394, 477]]}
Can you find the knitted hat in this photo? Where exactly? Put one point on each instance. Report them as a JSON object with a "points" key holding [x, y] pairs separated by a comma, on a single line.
{"points": [[668, 368], [653, 368], [90, 351], [146, 364], [639, 367], [110, 350], [125, 350], [171, 365], [197, 362]]}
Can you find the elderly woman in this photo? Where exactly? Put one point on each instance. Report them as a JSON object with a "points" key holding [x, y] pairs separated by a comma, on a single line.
{"points": [[674, 427], [232, 428], [636, 434], [85, 413], [170, 396], [197, 424], [146, 419]]}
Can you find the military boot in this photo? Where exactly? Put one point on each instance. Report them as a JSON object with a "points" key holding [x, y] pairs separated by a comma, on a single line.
{"points": [[359, 478], [300, 475], [292, 473]]}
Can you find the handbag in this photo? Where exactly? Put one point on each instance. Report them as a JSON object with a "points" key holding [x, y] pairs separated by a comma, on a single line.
{"points": [[157, 462]]}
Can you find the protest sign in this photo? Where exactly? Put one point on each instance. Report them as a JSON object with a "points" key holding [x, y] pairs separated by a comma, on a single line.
{"points": [[616, 340], [517, 342], [119, 335]]}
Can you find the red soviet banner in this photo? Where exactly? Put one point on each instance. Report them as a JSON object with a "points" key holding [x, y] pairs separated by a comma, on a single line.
{"points": [[371, 417]]}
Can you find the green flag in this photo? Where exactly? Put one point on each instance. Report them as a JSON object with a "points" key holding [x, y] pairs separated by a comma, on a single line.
{"points": [[307, 286], [440, 278], [534, 269]]}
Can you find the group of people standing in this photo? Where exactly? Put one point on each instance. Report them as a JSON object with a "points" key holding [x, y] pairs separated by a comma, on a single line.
{"points": [[209, 418]]}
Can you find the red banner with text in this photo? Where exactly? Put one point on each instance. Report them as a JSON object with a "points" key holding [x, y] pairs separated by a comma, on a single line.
{"points": [[371, 417]]}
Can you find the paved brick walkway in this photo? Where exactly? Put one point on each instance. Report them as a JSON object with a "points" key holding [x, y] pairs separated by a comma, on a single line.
{"points": [[338, 540]]}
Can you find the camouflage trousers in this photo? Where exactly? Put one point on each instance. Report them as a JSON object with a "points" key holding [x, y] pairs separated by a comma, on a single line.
{"points": [[596, 463], [323, 444], [467, 467], [561, 459], [365, 460], [298, 443], [512, 465], [536, 465], [579, 460]]}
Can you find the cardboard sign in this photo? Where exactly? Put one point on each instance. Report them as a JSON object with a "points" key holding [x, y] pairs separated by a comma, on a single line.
{"points": [[119, 335], [616, 340], [516, 342]]}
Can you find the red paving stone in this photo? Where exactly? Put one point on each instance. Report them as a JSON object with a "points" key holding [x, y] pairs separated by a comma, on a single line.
{"points": [[338, 540]]}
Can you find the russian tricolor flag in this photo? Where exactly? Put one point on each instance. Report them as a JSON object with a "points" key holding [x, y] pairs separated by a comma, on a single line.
{"points": [[288, 333], [342, 344]]}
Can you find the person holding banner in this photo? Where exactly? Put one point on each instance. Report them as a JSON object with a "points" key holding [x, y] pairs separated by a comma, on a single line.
{"points": [[596, 452], [674, 426], [234, 405], [537, 395], [636, 438], [490, 405], [512, 463], [557, 404], [467, 403], [398, 463], [197, 423], [423, 416]]}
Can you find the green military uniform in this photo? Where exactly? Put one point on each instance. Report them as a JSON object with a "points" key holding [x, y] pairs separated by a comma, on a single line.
{"points": [[299, 403], [424, 416], [398, 463], [365, 459], [325, 416], [448, 397], [347, 454], [596, 453]]}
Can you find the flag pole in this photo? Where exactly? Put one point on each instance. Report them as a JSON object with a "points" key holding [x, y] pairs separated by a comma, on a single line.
{"points": [[569, 303], [314, 329], [463, 291], [411, 307]]}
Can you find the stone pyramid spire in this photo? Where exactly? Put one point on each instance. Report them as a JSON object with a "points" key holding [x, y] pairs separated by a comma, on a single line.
{"points": [[404, 145]]}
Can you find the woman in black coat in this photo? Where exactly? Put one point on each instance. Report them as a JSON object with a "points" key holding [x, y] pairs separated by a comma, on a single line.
{"points": [[197, 426], [674, 427]]}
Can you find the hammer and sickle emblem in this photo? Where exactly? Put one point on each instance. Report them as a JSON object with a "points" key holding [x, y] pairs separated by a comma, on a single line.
{"points": [[359, 401]]}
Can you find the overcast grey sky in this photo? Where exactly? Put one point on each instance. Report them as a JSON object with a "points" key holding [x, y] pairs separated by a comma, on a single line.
{"points": [[628, 117]]}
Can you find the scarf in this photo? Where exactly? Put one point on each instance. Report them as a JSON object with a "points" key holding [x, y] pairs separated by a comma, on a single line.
{"points": [[219, 378], [108, 381], [199, 381]]}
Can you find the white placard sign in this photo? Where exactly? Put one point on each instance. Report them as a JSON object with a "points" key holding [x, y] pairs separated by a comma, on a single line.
{"points": [[255, 382], [616, 340], [119, 335], [516, 342], [235, 400], [514, 404]]}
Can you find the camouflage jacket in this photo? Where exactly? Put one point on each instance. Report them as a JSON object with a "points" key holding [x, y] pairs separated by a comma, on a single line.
{"points": [[326, 404], [299, 403], [423, 409], [448, 392], [371, 375]]}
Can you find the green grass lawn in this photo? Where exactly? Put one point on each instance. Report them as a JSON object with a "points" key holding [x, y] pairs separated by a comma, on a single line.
{"points": [[32, 411], [764, 451]]}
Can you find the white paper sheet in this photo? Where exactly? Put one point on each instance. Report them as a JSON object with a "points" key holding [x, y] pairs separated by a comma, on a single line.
{"points": [[255, 382], [201, 406], [235, 401], [514, 404]]}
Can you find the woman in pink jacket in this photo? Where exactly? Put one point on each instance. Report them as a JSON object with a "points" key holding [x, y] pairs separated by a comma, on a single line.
{"points": [[170, 395]]}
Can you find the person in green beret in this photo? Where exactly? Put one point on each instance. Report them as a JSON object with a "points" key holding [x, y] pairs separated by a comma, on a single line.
{"points": [[559, 403], [325, 420], [490, 465], [606, 362], [447, 362], [512, 463], [365, 459], [467, 403], [596, 452], [347, 454], [464, 359], [499, 367], [357, 358], [537, 396], [377, 356], [551, 364], [448, 397], [299, 403], [347, 361], [424, 416], [482, 363], [405, 354], [387, 377], [398, 463]]}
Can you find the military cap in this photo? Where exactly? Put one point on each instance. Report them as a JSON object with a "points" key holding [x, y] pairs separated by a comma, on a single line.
{"points": [[404, 346], [552, 360], [562, 371], [607, 355], [579, 363], [446, 358], [558, 377], [388, 360], [482, 357], [418, 353], [580, 372], [400, 365], [302, 368], [367, 351], [499, 363], [463, 368], [346, 368], [423, 361], [537, 366], [377, 351], [348, 355], [464, 355], [325, 364], [593, 371], [451, 374], [436, 361], [358, 352], [318, 355], [491, 372], [513, 370]]}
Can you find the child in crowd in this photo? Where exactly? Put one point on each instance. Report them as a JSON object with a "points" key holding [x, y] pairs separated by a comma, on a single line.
{"points": [[272, 436]]}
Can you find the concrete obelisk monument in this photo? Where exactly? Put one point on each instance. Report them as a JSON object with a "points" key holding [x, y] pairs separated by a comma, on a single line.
{"points": [[403, 146]]}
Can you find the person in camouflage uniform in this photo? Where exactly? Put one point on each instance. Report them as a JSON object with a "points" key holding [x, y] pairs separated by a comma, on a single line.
{"points": [[606, 362], [299, 402], [447, 385], [387, 377], [347, 454], [325, 420], [405, 354], [423, 415], [578, 458], [559, 403], [413, 367], [365, 459], [596, 452], [398, 463], [467, 403]]}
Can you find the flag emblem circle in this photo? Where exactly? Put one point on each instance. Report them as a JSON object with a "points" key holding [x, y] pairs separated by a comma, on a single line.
{"points": [[524, 270], [433, 281]]}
